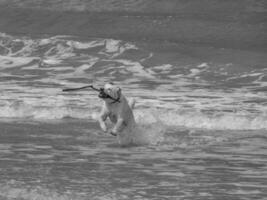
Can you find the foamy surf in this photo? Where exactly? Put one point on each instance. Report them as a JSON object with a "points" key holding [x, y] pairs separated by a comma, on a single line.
{"points": [[176, 90], [57, 110]]}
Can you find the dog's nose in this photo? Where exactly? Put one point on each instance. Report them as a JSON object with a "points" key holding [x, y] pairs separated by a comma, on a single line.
{"points": [[102, 93]]}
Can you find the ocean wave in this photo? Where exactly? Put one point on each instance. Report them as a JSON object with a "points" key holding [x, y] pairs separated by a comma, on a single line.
{"points": [[199, 120], [59, 47], [172, 118], [221, 95]]}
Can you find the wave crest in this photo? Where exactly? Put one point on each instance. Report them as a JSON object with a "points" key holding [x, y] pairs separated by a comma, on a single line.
{"points": [[198, 120], [144, 116]]}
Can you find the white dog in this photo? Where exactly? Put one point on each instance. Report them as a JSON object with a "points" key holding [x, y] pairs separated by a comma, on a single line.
{"points": [[119, 111]]}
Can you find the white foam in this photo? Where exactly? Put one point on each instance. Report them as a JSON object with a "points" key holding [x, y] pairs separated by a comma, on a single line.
{"points": [[145, 134], [117, 47], [203, 65], [136, 68], [252, 74], [112, 46], [51, 61], [224, 121], [86, 45], [82, 68], [52, 107], [165, 67], [195, 72], [11, 62]]}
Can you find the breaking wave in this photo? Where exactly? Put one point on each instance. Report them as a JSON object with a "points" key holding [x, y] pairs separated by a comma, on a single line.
{"points": [[172, 118]]}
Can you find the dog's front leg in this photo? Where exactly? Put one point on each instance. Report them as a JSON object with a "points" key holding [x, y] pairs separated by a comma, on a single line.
{"points": [[118, 126], [102, 118], [103, 125]]}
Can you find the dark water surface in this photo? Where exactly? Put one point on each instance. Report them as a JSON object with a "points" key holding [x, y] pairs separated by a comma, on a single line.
{"points": [[232, 24]]}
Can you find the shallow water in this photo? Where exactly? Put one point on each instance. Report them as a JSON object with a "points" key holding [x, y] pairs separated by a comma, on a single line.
{"points": [[201, 112], [73, 160]]}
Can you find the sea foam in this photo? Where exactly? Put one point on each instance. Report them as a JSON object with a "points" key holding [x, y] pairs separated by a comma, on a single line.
{"points": [[145, 117]]}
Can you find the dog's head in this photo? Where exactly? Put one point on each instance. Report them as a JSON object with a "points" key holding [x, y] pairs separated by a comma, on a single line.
{"points": [[110, 93]]}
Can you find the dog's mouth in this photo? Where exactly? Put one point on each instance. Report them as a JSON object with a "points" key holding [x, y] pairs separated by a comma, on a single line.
{"points": [[103, 95]]}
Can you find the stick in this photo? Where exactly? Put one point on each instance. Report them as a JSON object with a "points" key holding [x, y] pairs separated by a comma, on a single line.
{"points": [[80, 88]]}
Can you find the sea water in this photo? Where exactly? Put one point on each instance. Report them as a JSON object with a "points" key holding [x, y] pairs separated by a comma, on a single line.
{"points": [[201, 112]]}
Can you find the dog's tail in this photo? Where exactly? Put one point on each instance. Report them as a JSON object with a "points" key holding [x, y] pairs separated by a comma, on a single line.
{"points": [[132, 103]]}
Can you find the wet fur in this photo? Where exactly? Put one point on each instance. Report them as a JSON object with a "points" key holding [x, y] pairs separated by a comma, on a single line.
{"points": [[120, 114]]}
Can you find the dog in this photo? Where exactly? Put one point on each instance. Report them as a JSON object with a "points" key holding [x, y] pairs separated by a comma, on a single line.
{"points": [[120, 112]]}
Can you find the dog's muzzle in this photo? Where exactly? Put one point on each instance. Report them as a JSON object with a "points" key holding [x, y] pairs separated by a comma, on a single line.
{"points": [[103, 95]]}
